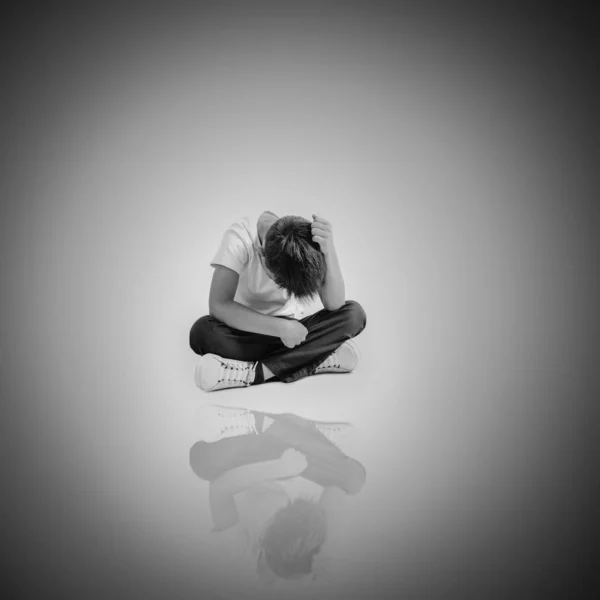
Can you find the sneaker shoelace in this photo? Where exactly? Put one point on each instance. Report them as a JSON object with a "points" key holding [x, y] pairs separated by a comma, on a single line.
{"points": [[232, 373], [331, 362], [332, 427], [235, 421]]}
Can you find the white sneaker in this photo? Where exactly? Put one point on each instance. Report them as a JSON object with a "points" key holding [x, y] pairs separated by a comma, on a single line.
{"points": [[216, 373], [337, 433], [343, 360], [218, 422]]}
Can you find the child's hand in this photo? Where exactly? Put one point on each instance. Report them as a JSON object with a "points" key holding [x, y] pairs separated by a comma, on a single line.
{"points": [[292, 332], [293, 462], [322, 233]]}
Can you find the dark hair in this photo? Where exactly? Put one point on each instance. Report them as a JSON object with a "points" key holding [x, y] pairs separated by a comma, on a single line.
{"points": [[296, 262], [292, 537]]}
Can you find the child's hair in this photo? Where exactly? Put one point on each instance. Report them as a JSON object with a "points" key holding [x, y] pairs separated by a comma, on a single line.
{"points": [[294, 259], [292, 537]]}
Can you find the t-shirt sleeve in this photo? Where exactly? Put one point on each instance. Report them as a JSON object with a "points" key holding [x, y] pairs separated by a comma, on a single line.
{"points": [[233, 251]]}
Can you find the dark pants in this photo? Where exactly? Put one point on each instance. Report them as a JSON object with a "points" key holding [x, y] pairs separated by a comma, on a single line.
{"points": [[327, 465], [327, 331]]}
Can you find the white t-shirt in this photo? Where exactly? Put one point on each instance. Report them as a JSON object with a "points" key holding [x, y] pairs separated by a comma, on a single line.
{"points": [[256, 290]]}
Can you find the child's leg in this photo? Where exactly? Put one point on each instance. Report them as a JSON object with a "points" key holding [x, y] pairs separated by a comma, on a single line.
{"points": [[210, 459], [209, 335], [327, 465], [327, 331]]}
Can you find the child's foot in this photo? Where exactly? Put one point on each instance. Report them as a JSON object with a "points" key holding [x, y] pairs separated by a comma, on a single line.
{"points": [[216, 373], [343, 360], [218, 422]]}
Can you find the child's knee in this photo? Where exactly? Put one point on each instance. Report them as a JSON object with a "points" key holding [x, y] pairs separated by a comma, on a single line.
{"points": [[356, 478], [200, 461], [355, 316], [199, 332]]}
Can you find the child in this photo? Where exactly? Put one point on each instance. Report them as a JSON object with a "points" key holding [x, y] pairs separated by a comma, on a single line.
{"points": [[263, 277], [277, 483]]}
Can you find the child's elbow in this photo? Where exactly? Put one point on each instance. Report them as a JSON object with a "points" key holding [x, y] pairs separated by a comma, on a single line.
{"points": [[332, 307], [212, 311], [215, 309]]}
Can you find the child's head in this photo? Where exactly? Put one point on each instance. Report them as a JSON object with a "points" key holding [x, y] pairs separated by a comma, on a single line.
{"points": [[292, 538], [294, 260]]}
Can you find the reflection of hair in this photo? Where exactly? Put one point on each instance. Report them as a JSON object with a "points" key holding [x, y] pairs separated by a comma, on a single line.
{"points": [[292, 537], [296, 262]]}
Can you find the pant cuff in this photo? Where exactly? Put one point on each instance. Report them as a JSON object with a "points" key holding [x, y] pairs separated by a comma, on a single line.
{"points": [[259, 375], [298, 373]]}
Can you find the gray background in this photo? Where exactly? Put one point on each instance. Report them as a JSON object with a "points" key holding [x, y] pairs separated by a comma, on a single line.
{"points": [[451, 150]]}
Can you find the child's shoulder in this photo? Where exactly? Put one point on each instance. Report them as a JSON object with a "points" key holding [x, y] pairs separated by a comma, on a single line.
{"points": [[243, 228], [244, 222]]}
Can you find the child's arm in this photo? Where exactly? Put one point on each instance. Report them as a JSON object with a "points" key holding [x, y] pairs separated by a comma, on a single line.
{"points": [[333, 292], [234, 481], [223, 489], [223, 307]]}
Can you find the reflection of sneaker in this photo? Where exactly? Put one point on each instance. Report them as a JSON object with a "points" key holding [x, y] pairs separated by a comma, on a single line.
{"points": [[343, 360], [337, 433], [218, 422], [216, 373]]}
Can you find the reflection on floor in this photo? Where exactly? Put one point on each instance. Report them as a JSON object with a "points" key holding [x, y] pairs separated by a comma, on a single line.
{"points": [[280, 491]]}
